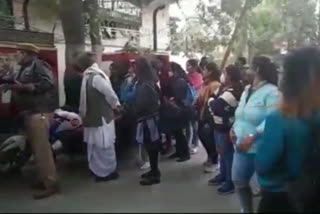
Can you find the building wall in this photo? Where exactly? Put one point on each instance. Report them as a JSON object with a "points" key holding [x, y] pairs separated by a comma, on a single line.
{"points": [[146, 39], [146, 34]]}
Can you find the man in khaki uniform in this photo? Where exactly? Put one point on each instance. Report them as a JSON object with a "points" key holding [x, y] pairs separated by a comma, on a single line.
{"points": [[34, 95]]}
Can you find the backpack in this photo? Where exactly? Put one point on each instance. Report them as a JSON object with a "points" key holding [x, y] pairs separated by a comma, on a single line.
{"points": [[191, 97]]}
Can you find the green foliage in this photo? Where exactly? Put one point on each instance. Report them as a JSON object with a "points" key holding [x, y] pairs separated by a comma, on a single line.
{"points": [[4, 8], [275, 22], [202, 34]]}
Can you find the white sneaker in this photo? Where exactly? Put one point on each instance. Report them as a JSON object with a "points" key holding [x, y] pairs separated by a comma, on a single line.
{"points": [[207, 163], [193, 151], [217, 167], [209, 169], [145, 166]]}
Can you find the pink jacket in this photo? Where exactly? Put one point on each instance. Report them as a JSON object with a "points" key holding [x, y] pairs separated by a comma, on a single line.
{"points": [[195, 79]]}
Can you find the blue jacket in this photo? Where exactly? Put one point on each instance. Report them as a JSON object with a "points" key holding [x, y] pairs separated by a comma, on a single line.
{"points": [[127, 90], [250, 115], [281, 153]]}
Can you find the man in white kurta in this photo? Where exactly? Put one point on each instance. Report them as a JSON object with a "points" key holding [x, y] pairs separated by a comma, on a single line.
{"points": [[100, 139]]}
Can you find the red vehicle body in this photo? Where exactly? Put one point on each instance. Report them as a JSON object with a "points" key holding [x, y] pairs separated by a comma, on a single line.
{"points": [[123, 57], [7, 52]]}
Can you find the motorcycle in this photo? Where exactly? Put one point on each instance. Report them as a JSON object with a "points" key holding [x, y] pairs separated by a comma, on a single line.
{"points": [[65, 137]]}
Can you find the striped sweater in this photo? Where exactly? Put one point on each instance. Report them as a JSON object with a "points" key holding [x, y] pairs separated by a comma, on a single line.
{"points": [[223, 109]]}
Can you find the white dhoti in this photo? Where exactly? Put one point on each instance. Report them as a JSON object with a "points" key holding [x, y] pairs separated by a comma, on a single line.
{"points": [[101, 150], [100, 140]]}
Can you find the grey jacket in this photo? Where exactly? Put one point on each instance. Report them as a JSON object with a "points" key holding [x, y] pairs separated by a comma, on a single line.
{"points": [[100, 104], [44, 98]]}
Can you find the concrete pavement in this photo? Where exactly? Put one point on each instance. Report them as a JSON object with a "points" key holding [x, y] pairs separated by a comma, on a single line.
{"points": [[184, 188]]}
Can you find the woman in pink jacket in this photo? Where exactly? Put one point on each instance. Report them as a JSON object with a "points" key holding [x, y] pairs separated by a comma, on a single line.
{"points": [[196, 80], [194, 74]]}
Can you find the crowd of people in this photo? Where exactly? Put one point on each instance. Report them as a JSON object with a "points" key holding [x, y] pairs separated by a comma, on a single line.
{"points": [[248, 124]]}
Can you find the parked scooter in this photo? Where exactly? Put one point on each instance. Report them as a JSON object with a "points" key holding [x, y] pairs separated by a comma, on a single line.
{"points": [[65, 136]]}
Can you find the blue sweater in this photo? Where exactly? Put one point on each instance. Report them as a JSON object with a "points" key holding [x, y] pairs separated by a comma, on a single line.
{"points": [[280, 154], [250, 116]]}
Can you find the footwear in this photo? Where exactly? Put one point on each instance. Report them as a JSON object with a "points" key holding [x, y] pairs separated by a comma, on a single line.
{"points": [[47, 192], [38, 186], [150, 181], [183, 159], [207, 163], [145, 166], [173, 156], [226, 190], [193, 151], [112, 176], [149, 174], [216, 181], [256, 194], [209, 169]]}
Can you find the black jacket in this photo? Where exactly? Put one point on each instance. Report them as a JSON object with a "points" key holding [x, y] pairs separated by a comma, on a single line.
{"points": [[147, 99], [72, 87]]}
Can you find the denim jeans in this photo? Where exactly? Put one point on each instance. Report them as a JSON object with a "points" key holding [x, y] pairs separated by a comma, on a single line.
{"points": [[206, 135], [243, 168], [192, 134], [225, 149]]}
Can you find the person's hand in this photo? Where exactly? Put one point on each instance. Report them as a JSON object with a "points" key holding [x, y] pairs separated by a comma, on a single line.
{"points": [[28, 87], [118, 112], [233, 137], [4, 87], [18, 86], [246, 143]]}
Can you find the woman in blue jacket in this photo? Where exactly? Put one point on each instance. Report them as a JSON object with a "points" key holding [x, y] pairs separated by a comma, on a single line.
{"points": [[256, 103], [288, 137]]}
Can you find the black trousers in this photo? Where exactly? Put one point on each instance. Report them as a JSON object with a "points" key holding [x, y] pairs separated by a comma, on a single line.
{"points": [[153, 149], [206, 136], [275, 202], [182, 147]]}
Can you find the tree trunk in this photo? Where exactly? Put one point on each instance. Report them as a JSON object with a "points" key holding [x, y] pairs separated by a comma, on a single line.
{"points": [[71, 15], [242, 47], [94, 26], [26, 14], [318, 42], [235, 32]]}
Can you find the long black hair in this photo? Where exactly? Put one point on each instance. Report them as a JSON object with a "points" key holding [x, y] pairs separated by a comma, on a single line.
{"points": [[145, 72], [300, 69], [266, 69], [178, 71], [234, 73], [194, 64], [214, 71]]}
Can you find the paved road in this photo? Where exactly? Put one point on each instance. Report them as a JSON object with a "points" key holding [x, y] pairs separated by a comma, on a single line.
{"points": [[183, 189]]}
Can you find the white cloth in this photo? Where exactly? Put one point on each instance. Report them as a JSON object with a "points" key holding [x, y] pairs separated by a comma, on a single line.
{"points": [[100, 140], [103, 136], [103, 85], [73, 120], [102, 162]]}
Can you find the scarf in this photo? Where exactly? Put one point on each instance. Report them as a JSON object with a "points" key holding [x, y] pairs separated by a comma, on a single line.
{"points": [[94, 69], [205, 93]]}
